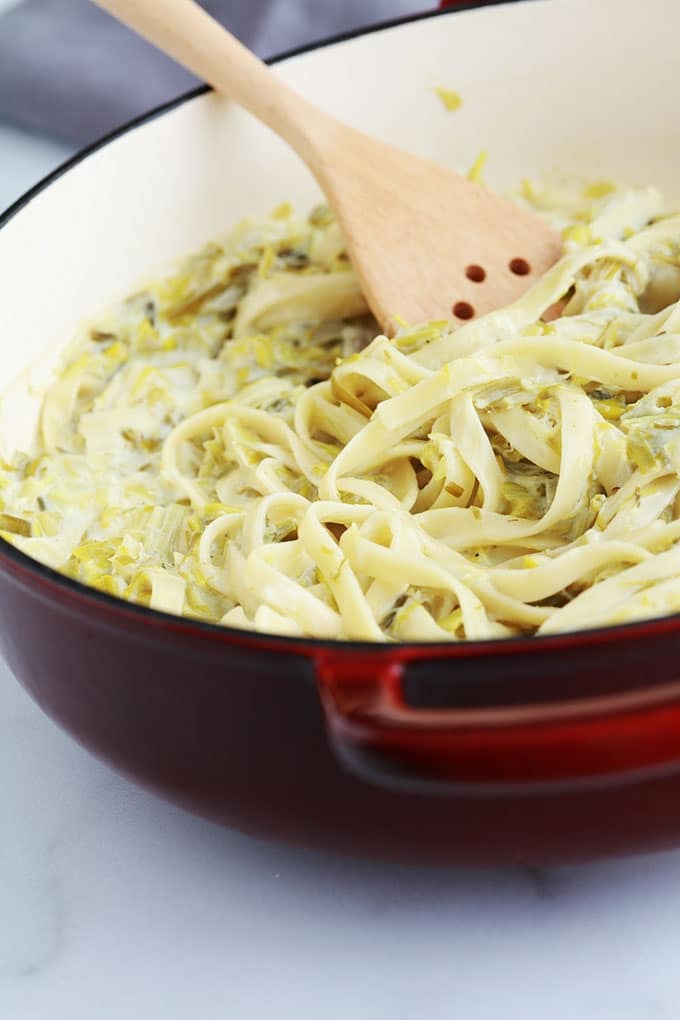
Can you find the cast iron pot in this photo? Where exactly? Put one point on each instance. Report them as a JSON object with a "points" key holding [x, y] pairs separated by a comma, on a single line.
{"points": [[539, 750]]}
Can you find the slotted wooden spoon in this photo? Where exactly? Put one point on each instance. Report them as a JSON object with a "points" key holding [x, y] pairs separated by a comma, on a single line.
{"points": [[426, 243]]}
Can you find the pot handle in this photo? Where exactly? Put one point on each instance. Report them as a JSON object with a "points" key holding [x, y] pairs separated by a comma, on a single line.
{"points": [[382, 739]]}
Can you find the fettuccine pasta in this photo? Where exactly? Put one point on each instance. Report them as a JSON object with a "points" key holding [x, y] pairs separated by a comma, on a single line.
{"points": [[235, 444]]}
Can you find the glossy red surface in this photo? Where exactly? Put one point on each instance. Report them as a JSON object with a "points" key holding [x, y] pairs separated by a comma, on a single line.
{"points": [[533, 751]]}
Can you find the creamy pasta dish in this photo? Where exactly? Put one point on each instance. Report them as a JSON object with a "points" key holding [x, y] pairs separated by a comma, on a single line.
{"points": [[236, 444]]}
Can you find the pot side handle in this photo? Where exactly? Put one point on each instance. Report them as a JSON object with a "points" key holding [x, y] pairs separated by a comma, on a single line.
{"points": [[383, 740]]}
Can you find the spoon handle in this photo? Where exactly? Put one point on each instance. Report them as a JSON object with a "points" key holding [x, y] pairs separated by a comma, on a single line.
{"points": [[184, 31]]}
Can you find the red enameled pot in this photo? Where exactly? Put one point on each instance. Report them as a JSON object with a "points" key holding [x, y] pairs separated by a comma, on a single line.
{"points": [[536, 751]]}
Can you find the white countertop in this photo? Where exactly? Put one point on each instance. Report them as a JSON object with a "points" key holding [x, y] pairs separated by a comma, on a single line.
{"points": [[115, 906]]}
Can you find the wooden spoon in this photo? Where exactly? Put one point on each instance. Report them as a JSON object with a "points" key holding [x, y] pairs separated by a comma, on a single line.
{"points": [[426, 243]]}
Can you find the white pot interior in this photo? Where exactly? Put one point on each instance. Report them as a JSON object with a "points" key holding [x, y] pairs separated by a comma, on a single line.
{"points": [[587, 88]]}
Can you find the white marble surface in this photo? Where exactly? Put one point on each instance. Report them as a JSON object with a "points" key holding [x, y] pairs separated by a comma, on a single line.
{"points": [[115, 906]]}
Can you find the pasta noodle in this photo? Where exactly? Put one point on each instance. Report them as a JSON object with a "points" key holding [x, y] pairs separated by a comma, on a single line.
{"points": [[235, 443]]}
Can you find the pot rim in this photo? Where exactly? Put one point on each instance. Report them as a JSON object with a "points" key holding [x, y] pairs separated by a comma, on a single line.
{"points": [[25, 569]]}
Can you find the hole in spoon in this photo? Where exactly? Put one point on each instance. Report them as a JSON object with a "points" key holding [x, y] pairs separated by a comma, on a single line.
{"points": [[463, 310], [476, 273], [520, 267]]}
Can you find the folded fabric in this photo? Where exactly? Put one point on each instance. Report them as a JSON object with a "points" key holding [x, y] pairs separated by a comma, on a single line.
{"points": [[69, 70]]}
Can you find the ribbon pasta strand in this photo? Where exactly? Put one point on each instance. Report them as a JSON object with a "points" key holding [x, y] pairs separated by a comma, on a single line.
{"points": [[237, 445]]}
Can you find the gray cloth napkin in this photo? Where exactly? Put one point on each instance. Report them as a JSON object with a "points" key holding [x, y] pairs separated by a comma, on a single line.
{"points": [[69, 70]]}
